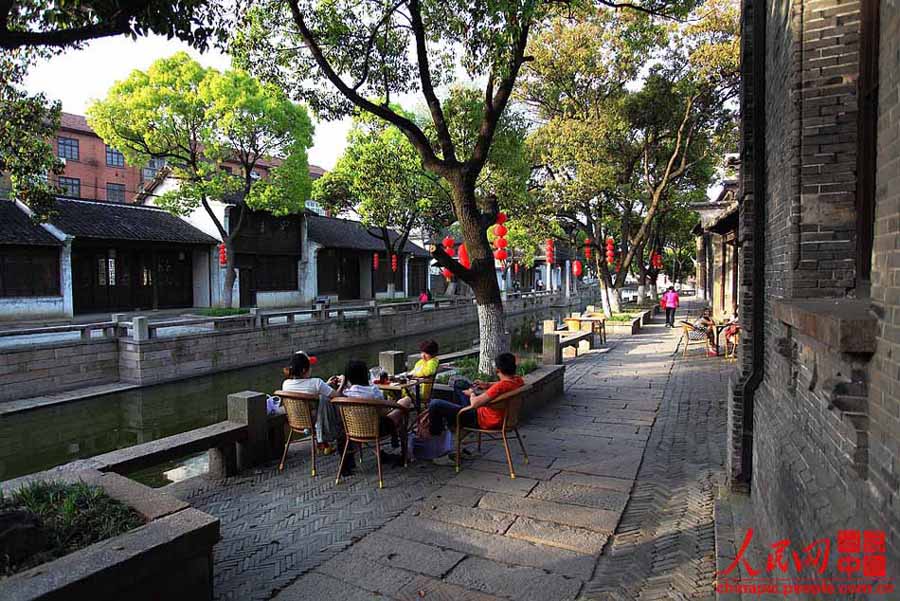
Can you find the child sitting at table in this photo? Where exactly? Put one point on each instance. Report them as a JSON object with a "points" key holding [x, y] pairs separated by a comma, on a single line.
{"points": [[299, 379], [443, 413]]}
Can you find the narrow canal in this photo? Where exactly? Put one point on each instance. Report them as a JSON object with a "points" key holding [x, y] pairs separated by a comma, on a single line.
{"points": [[36, 440]]}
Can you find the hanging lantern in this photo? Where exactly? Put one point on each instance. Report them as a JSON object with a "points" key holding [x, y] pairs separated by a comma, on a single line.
{"points": [[223, 255], [501, 254], [576, 268], [501, 243], [587, 248], [375, 261], [501, 219], [447, 274], [448, 243], [464, 256], [500, 230], [394, 263]]}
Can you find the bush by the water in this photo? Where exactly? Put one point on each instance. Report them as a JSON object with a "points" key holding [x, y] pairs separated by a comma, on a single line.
{"points": [[621, 317], [45, 520], [467, 367]]}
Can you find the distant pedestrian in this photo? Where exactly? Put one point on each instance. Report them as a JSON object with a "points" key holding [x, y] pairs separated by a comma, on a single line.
{"points": [[670, 302]]}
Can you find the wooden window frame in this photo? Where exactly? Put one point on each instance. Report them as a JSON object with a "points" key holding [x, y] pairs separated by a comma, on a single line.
{"points": [[114, 186], [70, 182], [69, 145]]}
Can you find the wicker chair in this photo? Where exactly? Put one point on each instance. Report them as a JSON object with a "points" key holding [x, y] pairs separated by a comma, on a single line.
{"points": [[361, 419], [512, 402], [300, 409], [691, 333]]}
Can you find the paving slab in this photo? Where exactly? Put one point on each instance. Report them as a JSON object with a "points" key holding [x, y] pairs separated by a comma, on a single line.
{"points": [[432, 589], [491, 546], [494, 482], [580, 540], [618, 484], [576, 494], [458, 495], [492, 522], [404, 554], [528, 470], [319, 586], [514, 582], [598, 520], [623, 464], [361, 571]]}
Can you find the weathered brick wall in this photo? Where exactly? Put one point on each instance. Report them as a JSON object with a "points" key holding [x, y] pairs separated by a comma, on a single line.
{"points": [[36, 370], [884, 385], [825, 457]]}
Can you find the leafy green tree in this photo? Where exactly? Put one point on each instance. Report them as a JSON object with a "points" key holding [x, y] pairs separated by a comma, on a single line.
{"points": [[200, 120], [28, 126], [612, 146], [380, 176], [58, 23], [377, 50]]}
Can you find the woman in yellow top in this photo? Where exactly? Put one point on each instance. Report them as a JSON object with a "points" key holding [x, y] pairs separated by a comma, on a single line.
{"points": [[426, 367]]}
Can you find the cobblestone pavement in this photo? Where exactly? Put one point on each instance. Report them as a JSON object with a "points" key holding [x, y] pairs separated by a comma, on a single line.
{"points": [[584, 519]]}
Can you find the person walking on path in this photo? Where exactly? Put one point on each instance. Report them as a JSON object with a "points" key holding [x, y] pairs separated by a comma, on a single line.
{"points": [[670, 302]]}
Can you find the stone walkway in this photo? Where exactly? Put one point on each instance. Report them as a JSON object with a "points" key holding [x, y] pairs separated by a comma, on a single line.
{"points": [[591, 517]]}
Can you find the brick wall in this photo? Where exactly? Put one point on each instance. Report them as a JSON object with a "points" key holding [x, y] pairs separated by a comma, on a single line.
{"points": [[826, 422], [37, 370], [92, 170], [884, 385]]}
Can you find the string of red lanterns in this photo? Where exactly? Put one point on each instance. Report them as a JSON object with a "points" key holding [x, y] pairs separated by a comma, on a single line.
{"points": [[656, 260], [587, 248], [394, 263], [610, 251], [448, 243], [500, 242], [375, 261], [548, 251], [223, 255]]}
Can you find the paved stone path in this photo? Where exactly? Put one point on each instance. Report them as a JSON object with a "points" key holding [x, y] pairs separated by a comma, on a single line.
{"points": [[589, 517]]}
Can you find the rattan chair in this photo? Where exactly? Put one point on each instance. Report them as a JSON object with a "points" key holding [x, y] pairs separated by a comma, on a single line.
{"points": [[512, 402], [361, 425], [691, 333], [300, 409]]}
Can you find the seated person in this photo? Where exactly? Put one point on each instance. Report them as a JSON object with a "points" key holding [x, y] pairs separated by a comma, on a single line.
{"points": [[356, 385], [443, 413], [707, 325], [299, 379], [423, 297], [426, 366]]}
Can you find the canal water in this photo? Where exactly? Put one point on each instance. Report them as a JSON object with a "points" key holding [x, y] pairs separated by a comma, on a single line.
{"points": [[36, 440]]}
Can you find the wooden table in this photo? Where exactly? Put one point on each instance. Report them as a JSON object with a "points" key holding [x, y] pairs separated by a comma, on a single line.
{"points": [[598, 325]]}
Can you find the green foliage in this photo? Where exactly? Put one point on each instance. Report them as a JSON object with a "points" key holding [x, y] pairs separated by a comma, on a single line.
{"points": [[28, 126], [381, 177], [73, 516], [467, 367], [62, 23], [200, 120]]}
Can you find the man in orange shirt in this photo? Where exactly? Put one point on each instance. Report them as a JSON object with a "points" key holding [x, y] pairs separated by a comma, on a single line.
{"points": [[484, 416]]}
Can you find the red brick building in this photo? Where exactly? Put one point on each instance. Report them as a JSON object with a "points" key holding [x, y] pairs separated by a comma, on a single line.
{"points": [[95, 171]]}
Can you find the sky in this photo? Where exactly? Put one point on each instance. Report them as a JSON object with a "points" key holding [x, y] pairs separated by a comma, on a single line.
{"points": [[77, 77]]}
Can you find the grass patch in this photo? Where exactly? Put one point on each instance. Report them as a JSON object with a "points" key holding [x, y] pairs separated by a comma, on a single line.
{"points": [[391, 301], [622, 317], [467, 367], [220, 311], [72, 516]]}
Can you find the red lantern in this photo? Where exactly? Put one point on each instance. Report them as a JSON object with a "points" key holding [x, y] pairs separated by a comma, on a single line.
{"points": [[448, 242], [375, 261], [223, 255], [447, 273], [576, 268], [516, 268], [501, 254], [464, 256], [587, 248], [550, 243], [501, 243], [500, 230], [501, 219], [394, 263]]}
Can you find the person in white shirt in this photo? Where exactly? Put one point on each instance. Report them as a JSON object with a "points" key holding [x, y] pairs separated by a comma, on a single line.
{"points": [[356, 384], [299, 379]]}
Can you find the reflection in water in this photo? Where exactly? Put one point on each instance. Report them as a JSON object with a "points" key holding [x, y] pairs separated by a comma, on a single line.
{"points": [[36, 440]]}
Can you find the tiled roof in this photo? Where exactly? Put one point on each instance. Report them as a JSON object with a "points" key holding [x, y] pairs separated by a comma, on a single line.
{"points": [[16, 227], [120, 221], [332, 232], [75, 122]]}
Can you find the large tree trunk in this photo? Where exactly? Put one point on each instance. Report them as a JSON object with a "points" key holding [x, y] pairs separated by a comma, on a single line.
{"points": [[491, 334], [654, 290]]}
